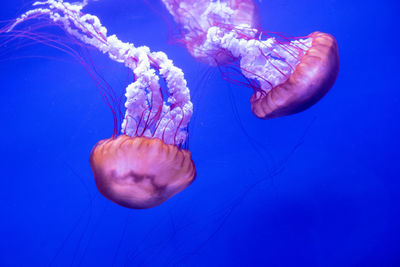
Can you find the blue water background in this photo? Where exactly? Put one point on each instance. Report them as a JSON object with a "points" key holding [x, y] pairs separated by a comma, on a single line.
{"points": [[320, 188]]}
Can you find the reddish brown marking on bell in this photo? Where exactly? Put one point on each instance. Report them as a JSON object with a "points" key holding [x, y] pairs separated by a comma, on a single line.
{"points": [[311, 80], [140, 172]]}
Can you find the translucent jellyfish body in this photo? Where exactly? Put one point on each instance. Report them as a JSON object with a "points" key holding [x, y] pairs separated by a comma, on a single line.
{"points": [[195, 18], [147, 164], [287, 75]]}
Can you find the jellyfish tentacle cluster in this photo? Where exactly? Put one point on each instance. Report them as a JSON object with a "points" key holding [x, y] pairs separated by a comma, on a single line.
{"points": [[145, 165], [147, 113], [196, 18], [224, 31]]}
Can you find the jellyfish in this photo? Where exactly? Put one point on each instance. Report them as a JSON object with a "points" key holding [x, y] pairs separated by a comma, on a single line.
{"points": [[287, 74], [148, 163]]}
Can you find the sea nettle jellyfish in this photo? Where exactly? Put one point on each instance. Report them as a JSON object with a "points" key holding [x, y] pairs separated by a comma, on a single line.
{"points": [[288, 75], [146, 164]]}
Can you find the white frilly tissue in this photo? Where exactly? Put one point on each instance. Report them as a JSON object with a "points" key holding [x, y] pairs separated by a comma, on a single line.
{"points": [[147, 113]]}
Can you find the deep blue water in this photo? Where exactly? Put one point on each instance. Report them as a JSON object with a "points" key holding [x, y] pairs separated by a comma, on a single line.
{"points": [[329, 176]]}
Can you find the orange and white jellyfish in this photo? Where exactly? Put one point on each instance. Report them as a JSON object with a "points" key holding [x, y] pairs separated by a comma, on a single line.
{"points": [[288, 75], [147, 164]]}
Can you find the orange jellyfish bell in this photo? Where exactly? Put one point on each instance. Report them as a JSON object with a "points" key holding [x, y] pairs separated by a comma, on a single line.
{"points": [[139, 172], [311, 80]]}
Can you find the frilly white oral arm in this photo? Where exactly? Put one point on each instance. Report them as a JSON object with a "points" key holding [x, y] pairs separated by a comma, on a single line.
{"points": [[147, 113], [267, 61], [212, 27]]}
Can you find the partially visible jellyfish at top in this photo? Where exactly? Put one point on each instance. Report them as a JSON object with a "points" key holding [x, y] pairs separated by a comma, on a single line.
{"points": [[146, 164], [288, 75]]}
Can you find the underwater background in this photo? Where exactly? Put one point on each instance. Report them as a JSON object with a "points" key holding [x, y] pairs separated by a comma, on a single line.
{"points": [[319, 188]]}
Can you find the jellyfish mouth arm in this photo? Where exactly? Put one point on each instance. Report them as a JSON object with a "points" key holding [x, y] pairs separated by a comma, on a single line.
{"points": [[204, 11], [196, 18], [200, 15], [268, 61], [147, 112], [156, 118]]}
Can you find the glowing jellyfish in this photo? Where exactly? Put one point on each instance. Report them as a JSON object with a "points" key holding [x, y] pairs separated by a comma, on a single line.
{"points": [[145, 165], [288, 75]]}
